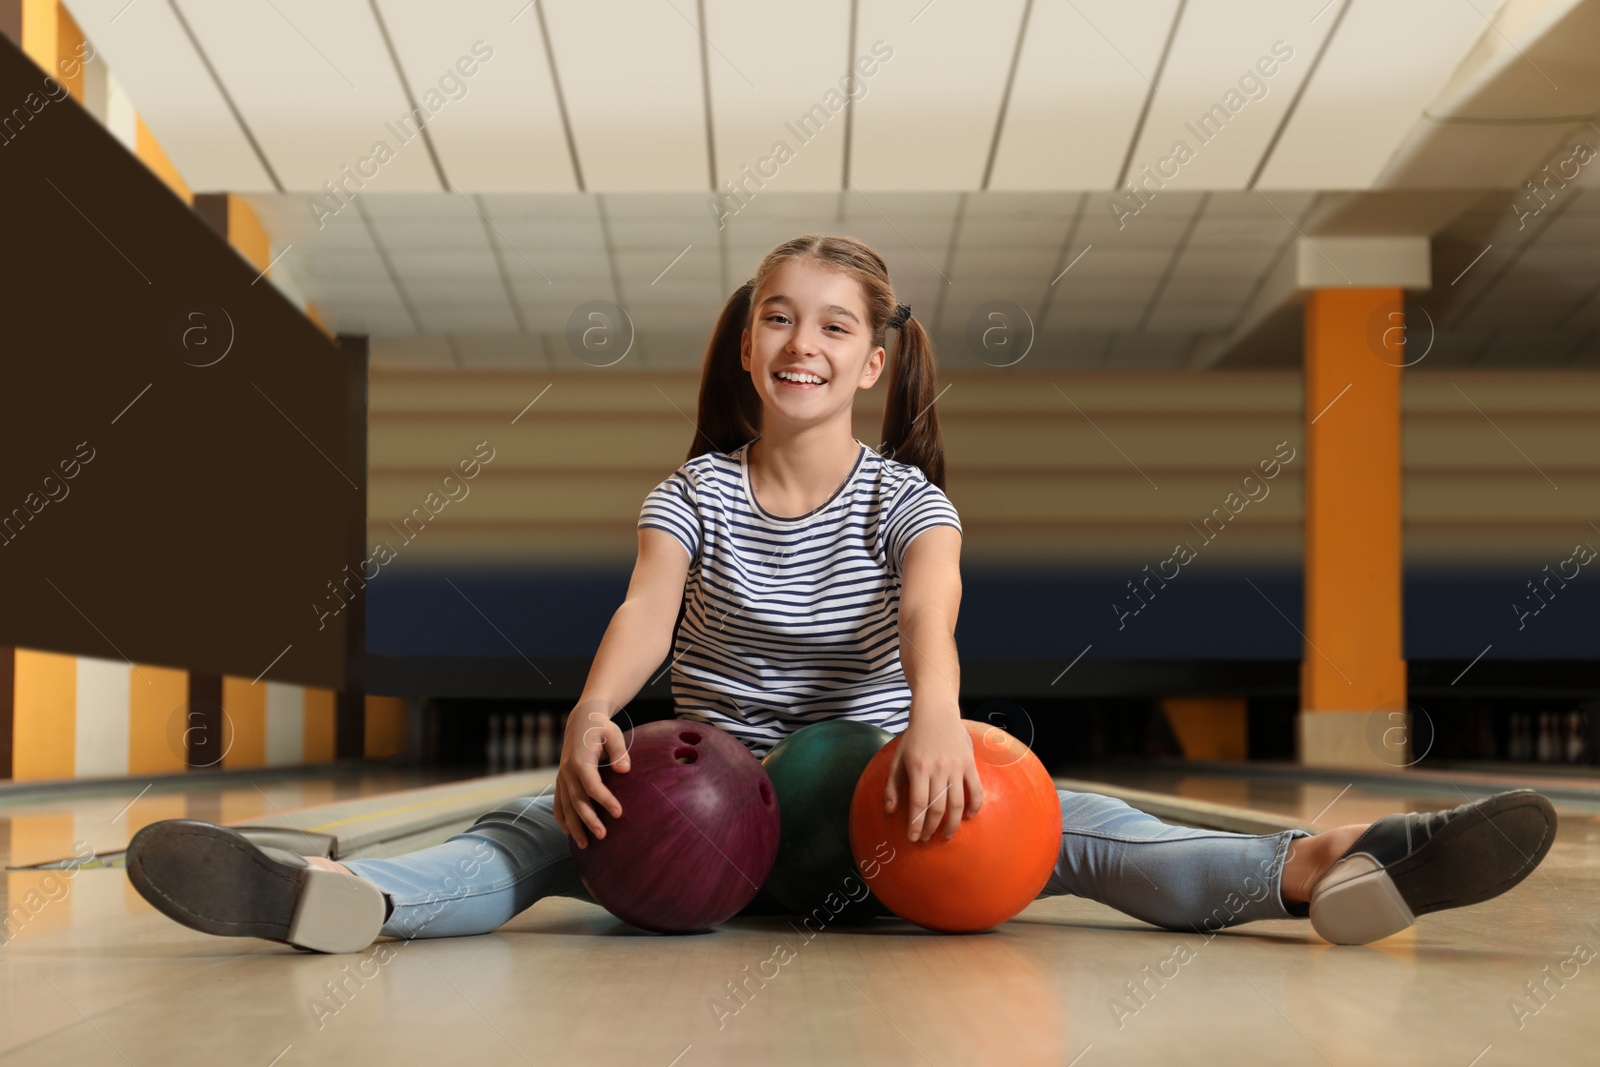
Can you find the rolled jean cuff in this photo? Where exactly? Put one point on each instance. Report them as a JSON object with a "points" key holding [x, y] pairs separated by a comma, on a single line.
{"points": [[1297, 910]]}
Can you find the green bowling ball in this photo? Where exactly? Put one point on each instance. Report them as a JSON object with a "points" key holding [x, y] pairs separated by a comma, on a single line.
{"points": [[814, 773]]}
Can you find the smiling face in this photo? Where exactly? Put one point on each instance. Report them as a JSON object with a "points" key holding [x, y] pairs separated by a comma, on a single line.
{"points": [[809, 321]]}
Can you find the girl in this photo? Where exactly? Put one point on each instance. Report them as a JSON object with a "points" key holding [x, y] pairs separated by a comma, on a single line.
{"points": [[809, 576]]}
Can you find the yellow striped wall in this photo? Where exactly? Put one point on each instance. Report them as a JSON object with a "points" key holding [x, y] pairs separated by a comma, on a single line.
{"points": [[85, 717], [78, 716], [1049, 468]]}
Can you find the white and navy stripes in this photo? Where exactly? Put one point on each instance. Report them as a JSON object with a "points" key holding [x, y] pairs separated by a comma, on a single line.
{"points": [[790, 621]]}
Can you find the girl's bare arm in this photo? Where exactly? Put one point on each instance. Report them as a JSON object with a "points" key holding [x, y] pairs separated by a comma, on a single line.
{"points": [[636, 641], [640, 633]]}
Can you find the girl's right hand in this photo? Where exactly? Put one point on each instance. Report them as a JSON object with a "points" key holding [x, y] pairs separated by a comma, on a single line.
{"points": [[590, 737]]}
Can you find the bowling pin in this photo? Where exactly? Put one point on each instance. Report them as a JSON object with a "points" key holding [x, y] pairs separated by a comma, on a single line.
{"points": [[493, 748], [1516, 742], [528, 742], [1547, 748], [1574, 752], [547, 739]]}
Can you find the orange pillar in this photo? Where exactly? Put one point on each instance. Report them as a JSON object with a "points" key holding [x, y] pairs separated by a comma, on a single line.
{"points": [[1352, 674]]}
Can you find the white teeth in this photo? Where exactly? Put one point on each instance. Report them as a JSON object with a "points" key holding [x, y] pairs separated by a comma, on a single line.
{"points": [[796, 376]]}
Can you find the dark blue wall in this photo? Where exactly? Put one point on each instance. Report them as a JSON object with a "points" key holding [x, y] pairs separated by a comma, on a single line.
{"points": [[1014, 615]]}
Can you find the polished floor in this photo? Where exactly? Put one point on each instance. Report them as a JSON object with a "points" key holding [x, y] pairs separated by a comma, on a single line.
{"points": [[90, 973]]}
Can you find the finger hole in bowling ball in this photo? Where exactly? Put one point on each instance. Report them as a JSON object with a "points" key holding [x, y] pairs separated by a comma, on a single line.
{"points": [[693, 739], [685, 755]]}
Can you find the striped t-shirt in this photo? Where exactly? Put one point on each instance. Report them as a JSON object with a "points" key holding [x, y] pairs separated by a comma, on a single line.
{"points": [[790, 621]]}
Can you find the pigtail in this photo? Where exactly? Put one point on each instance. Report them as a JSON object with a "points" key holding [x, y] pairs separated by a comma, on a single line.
{"points": [[910, 418], [729, 413]]}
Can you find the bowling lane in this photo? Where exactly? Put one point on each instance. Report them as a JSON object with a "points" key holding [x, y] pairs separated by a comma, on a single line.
{"points": [[79, 912], [38, 826], [1331, 797], [97, 973]]}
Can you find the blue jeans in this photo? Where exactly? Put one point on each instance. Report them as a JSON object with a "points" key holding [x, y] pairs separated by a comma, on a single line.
{"points": [[1174, 877]]}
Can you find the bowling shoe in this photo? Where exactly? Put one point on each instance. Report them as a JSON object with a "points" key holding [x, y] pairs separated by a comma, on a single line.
{"points": [[1407, 865], [215, 880]]}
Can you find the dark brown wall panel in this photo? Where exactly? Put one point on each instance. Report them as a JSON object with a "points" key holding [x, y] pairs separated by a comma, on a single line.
{"points": [[176, 477]]}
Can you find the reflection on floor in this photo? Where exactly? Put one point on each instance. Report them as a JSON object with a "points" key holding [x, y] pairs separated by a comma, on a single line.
{"points": [[88, 971], [101, 816]]}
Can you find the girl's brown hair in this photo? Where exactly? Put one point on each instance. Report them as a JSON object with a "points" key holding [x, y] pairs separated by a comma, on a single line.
{"points": [[730, 408]]}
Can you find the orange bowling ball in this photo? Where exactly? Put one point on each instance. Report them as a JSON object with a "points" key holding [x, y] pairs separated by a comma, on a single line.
{"points": [[992, 868]]}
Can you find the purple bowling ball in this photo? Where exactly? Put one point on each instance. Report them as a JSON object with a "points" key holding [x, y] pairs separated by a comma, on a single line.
{"points": [[698, 832]]}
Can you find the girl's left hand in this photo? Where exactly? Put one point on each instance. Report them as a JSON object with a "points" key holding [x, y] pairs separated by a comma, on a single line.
{"points": [[941, 777]]}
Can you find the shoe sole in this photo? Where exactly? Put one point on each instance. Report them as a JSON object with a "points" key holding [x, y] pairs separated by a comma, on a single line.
{"points": [[1477, 855], [214, 880]]}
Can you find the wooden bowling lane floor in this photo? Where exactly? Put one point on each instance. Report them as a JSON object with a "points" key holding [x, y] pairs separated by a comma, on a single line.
{"points": [[101, 816], [1329, 797], [95, 975]]}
